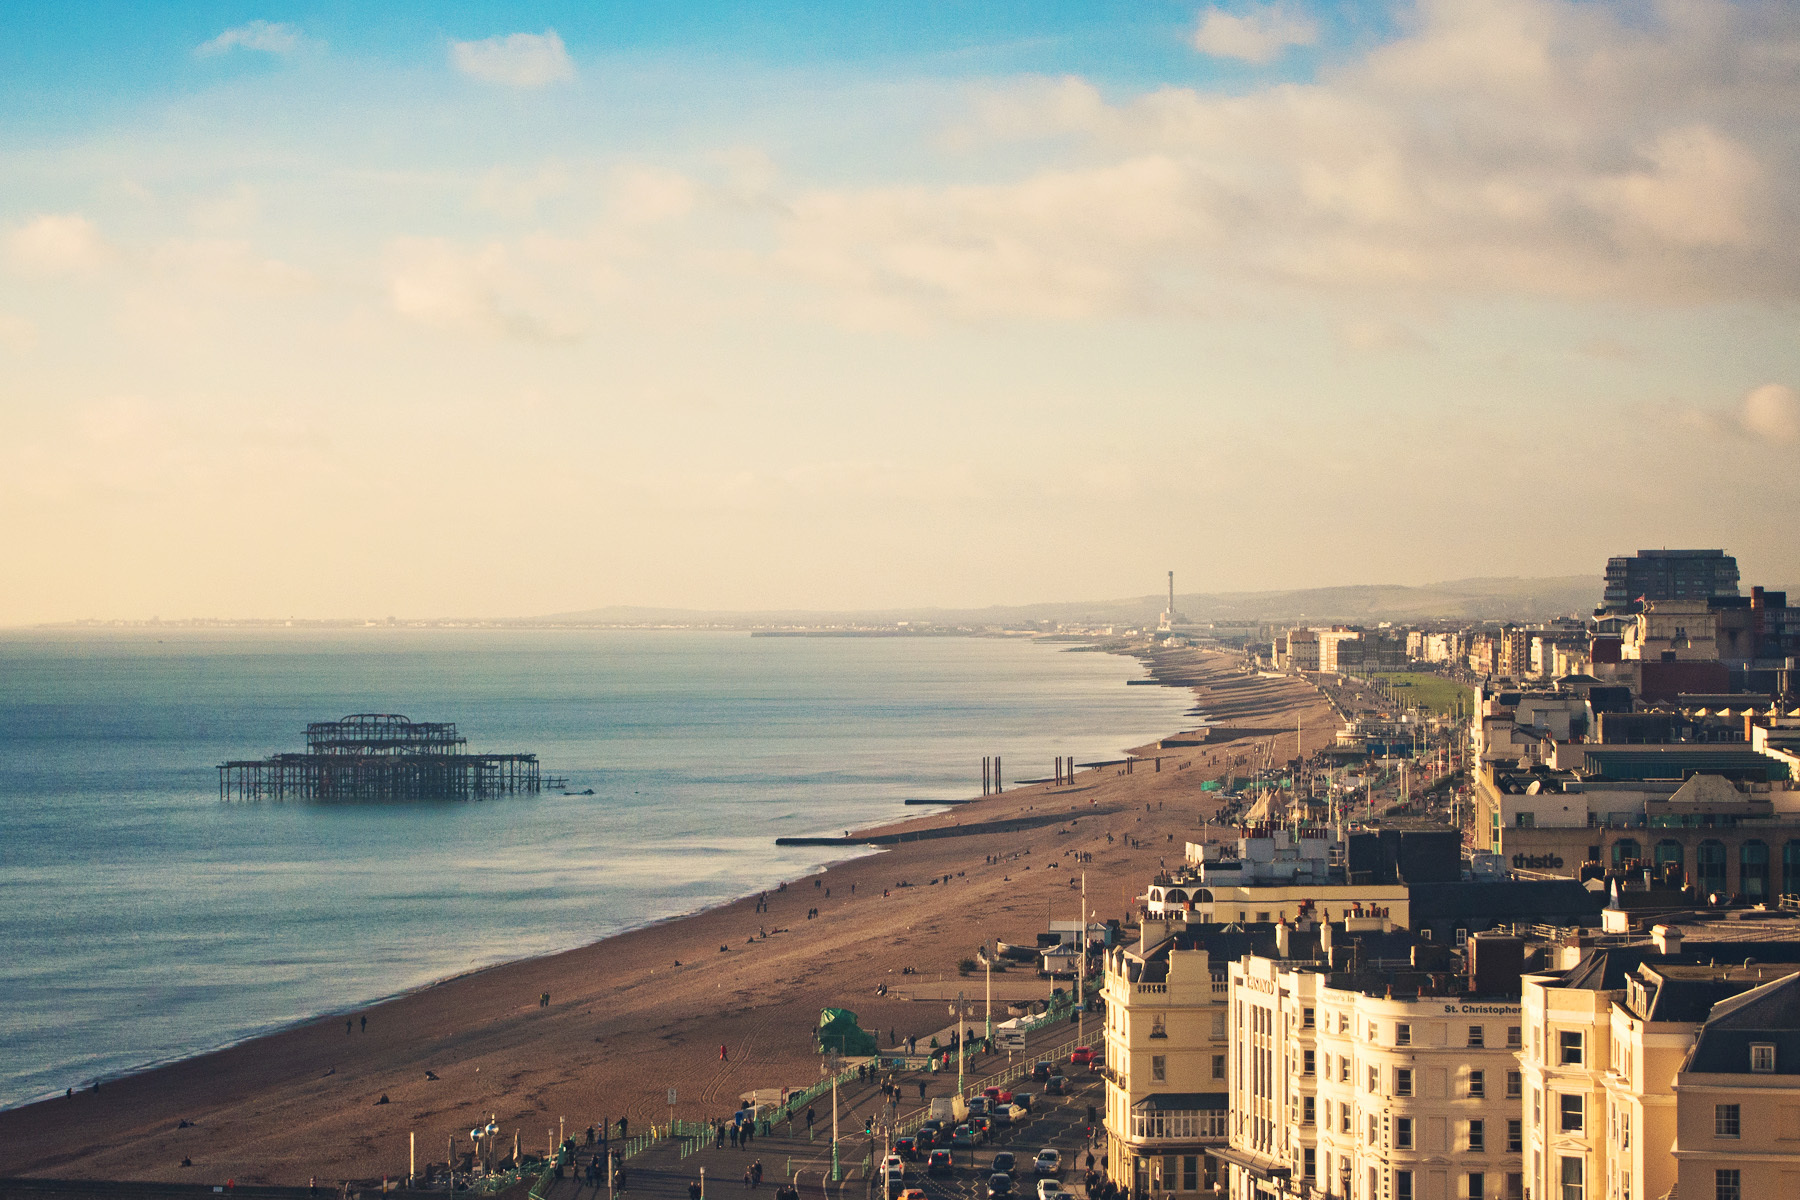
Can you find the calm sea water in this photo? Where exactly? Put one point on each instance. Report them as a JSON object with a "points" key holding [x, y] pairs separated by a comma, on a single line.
{"points": [[142, 920]]}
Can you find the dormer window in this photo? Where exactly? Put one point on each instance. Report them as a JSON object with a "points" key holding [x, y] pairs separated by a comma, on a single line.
{"points": [[1762, 1058]]}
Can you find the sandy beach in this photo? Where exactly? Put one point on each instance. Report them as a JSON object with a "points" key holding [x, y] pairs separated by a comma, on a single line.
{"points": [[634, 1015]]}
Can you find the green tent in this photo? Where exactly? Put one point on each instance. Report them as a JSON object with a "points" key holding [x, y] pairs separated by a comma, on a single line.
{"points": [[839, 1031]]}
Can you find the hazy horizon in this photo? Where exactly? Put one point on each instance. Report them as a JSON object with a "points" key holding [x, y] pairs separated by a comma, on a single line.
{"points": [[505, 311]]}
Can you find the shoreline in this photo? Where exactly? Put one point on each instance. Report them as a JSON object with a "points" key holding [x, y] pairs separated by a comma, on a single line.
{"points": [[271, 1104]]}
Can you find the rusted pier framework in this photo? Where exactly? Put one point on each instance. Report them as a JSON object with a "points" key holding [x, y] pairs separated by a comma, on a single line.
{"points": [[380, 756]]}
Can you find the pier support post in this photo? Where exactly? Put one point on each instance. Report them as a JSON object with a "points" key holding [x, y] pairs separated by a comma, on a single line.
{"points": [[997, 788]]}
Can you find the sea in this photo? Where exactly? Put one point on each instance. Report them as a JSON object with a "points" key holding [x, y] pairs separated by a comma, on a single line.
{"points": [[143, 920]]}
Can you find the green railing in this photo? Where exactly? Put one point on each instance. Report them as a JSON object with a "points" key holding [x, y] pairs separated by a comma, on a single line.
{"points": [[541, 1188]]}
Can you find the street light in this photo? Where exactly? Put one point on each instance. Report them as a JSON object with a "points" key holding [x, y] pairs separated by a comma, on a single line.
{"points": [[831, 1064]]}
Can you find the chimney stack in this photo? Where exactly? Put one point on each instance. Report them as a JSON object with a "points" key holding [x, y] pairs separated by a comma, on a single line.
{"points": [[1667, 939]]}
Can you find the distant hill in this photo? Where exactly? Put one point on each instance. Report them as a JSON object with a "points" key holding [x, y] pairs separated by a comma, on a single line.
{"points": [[1491, 599]]}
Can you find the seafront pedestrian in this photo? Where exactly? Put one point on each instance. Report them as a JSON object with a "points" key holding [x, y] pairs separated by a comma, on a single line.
{"points": [[347, 1024], [365, 1024], [735, 1130], [722, 1057]]}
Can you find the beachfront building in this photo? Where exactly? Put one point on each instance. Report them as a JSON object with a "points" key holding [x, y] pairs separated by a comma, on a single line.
{"points": [[1166, 1042], [1725, 818], [1617, 1099], [1375, 1082]]}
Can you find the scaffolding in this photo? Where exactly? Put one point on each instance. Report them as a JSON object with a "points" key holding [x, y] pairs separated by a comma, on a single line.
{"points": [[380, 756]]}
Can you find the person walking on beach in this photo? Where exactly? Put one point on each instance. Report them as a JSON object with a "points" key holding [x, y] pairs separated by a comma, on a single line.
{"points": [[722, 1057], [365, 1024], [347, 1024]]}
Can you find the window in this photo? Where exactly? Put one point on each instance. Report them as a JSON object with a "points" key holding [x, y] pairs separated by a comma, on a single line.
{"points": [[1403, 1035], [1309, 1163], [1374, 1129], [1477, 1035], [1403, 1133], [1159, 1067], [1478, 1083], [1537, 1107], [1262, 918], [1513, 1040], [1515, 1085], [1572, 1114], [1374, 1079], [1219, 1066], [1515, 1185], [1403, 1081], [1190, 1172], [1728, 1185], [1568, 1042], [1572, 1176], [1343, 1068], [1308, 1063], [1625, 1128], [1306, 1018], [1477, 1186], [1308, 1111], [1343, 1023], [1762, 1057], [1403, 1185], [1725, 1120], [1477, 1135], [1523, 820], [1515, 1135], [1343, 1118]]}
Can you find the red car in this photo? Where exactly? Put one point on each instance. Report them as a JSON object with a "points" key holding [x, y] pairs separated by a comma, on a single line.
{"points": [[1083, 1056]]}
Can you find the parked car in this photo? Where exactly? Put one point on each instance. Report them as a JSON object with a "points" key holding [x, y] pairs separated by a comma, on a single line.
{"points": [[893, 1169], [999, 1187], [1082, 1056], [1049, 1189], [1005, 1097], [913, 1194], [939, 1163], [1002, 1115], [1040, 1070], [1048, 1163], [1004, 1162], [992, 1093]]}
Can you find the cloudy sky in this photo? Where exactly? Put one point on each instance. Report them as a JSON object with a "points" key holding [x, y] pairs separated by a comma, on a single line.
{"points": [[471, 309]]}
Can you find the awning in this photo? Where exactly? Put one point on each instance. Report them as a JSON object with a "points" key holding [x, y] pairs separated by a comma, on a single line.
{"points": [[1258, 1165], [1183, 1102]]}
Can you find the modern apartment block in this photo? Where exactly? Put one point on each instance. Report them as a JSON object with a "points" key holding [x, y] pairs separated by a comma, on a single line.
{"points": [[1667, 575]]}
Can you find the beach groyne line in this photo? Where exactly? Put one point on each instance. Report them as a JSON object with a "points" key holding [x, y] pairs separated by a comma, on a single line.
{"points": [[1005, 825]]}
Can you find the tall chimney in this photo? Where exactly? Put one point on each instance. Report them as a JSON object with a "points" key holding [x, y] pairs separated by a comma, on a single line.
{"points": [[1171, 593]]}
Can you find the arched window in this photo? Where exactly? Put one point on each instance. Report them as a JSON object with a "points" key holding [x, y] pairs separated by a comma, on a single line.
{"points": [[1669, 851], [1753, 870], [1790, 869], [1625, 850], [1175, 896], [1709, 866]]}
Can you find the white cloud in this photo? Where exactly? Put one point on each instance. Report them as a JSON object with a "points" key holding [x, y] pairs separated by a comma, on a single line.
{"points": [[1510, 147], [486, 290], [521, 60], [1771, 412], [270, 37], [1257, 36], [57, 244]]}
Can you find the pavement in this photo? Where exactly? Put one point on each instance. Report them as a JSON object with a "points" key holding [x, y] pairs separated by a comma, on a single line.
{"points": [[788, 1154]]}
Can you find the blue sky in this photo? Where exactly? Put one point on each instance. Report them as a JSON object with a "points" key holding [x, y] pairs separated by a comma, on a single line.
{"points": [[754, 305]]}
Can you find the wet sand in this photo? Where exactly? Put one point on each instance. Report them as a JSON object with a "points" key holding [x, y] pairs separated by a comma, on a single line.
{"points": [[636, 1014]]}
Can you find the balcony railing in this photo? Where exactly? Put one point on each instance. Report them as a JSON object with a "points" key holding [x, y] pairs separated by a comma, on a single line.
{"points": [[1177, 1126]]}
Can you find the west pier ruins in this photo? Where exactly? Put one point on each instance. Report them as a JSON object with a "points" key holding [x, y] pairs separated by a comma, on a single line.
{"points": [[381, 756]]}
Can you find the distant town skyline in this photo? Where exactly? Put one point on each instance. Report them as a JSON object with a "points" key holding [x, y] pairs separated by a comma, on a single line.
{"points": [[507, 311]]}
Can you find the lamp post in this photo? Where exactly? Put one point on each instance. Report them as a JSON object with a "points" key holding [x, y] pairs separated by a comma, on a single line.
{"points": [[831, 1064]]}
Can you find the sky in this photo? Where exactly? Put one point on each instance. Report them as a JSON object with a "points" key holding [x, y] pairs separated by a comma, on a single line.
{"points": [[467, 309]]}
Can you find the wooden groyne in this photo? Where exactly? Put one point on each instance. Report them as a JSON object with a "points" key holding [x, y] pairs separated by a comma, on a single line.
{"points": [[1007, 825]]}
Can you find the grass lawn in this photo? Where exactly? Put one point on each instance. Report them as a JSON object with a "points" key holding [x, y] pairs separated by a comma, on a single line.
{"points": [[1433, 693]]}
